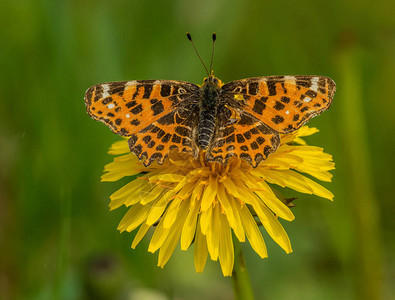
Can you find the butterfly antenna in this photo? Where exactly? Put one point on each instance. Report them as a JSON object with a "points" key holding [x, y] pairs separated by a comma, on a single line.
{"points": [[197, 53], [212, 55]]}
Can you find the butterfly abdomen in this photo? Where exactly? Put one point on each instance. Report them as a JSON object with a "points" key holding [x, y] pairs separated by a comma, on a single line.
{"points": [[207, 115], [206, 128]]}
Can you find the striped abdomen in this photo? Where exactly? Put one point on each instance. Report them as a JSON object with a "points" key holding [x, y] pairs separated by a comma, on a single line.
{"points": [[206, 128], [208, 110]]}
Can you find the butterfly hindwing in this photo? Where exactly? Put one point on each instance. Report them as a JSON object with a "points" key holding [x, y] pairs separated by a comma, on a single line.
{"points": [[129, 106], [175, 130], [284, 103], [245, 137]]}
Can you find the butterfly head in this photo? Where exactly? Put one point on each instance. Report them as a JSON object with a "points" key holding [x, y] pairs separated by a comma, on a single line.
{"points": [[212, 80]]}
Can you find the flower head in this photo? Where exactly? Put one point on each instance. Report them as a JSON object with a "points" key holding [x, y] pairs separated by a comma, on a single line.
{"points": [[199, 202]]}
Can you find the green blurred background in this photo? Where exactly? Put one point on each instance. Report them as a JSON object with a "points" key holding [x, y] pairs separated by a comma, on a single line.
{"points": [[58, 239]]}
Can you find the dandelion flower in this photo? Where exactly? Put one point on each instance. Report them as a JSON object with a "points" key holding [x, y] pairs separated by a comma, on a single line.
{"points": [[200, 203]]}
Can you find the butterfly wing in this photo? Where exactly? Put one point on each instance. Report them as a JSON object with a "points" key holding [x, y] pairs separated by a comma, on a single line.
{"points": [[135, 108], [257, 109], [176, 130], [245, 137], [284, 103]]}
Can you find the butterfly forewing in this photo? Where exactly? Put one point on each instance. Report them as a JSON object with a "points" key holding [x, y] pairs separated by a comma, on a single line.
{"points": [[144, 110], [284, 103]]}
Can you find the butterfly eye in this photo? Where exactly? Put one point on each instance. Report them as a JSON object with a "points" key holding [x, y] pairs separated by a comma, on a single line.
{"points": [[237, 89], [215, 80], [181, 90]]}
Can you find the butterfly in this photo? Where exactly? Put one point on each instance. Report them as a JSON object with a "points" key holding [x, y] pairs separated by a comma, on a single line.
{"points": [[242, 118]]}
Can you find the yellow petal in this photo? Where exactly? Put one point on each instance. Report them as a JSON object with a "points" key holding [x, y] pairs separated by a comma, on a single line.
{"points": [[286, 178], [303, 184], [187, 190], [156, 211], [277, 164], [180, 185], [172, 239], [275, 204], [320, 165], [122, 195], [172, 211], [287, 138], [230, 187], [306, 131], [140, 234], [318, 189], [116, 203], [121, 166], [171, 177], [299, 141], [320, 175], [248, 180], [209, 193], [226, 253], [189, 229], [201, 252], [205, 220], [197, 191], [238, 227], [309, 151], [151, 195], [133, 218], [119, 147], [285, 160], [272, 226], [159, 237], [212, 235], [252, 232], [225, 200], [138, 194], [127, 189]]}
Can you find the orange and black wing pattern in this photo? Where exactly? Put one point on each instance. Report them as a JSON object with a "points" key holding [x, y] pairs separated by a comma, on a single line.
{"points": [[244, 136], [257, 109], [176, 130], [284, 103], [155, 114]]}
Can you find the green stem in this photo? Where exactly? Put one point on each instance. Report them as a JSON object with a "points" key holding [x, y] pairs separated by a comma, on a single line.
{"points": [[241, 280]]}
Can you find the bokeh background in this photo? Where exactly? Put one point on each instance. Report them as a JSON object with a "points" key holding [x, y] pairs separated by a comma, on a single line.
{"points": [[58, 239]]}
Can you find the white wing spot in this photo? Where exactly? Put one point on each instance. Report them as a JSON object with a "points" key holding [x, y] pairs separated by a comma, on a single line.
{"points": [[289, 78], [111, 105], [131, 83], [105, 93], [127, 116], [287, 112], [314, 84], [307, 99]]}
